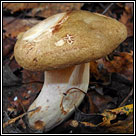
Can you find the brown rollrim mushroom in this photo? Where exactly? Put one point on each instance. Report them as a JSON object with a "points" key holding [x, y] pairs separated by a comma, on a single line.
{"points": [[61, 46]]}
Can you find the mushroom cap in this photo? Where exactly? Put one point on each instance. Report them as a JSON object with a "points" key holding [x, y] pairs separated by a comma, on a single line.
{"points": [[67, 39]]}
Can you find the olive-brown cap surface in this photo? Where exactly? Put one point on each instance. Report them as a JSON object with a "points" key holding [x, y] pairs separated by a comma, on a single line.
{"points": [[68, 39]]}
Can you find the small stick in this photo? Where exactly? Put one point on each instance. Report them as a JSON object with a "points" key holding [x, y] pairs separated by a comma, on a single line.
{"points": [[123, 102], [13, 120], [110, 5], [16, 118]]}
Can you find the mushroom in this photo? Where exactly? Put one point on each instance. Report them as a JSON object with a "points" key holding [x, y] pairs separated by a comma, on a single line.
{"points": [[62, 46]]}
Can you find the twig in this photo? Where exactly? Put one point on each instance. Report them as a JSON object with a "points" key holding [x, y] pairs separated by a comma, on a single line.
{"points": [[123, 102], [110, 5], [16, 118]]}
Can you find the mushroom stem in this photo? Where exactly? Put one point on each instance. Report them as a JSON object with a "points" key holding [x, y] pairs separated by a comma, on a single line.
{"points": [[62, 91]]}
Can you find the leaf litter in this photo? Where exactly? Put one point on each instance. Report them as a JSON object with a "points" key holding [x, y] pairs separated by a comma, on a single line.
{"points": [[111, 79]]}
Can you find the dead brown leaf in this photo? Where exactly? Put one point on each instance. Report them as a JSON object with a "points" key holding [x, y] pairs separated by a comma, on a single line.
{"points": [[122, 64], [48, 9], [29, 76], [99, 101], [24, 96], [14, 7], [99, 74], [125, 127], [8, 45], [129, 8], [120, 125], [119, 120], [42, 9], [127, 18], [94, 69], [13, 26]]}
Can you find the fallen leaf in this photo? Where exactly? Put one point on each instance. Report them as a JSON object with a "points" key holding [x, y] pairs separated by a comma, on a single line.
{"points": [[126, 20], [48, 9], [129, 8], [124, 127], [8, 45], [25, 95], [31, 76], [42, 9], [14, 26], [119, 120], [10, 79], [100, 101], [14, 66], [122, 64], [98, 73], [94, 70], [14, 7], [123, 110]]}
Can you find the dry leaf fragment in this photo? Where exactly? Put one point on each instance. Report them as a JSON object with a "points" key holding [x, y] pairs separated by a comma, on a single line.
{"points": [[13, 26], [110, 119], [14, 7], [109, 115], [42, 9], [126, 19], [124, 126], [122, 64], [48, 9], [121, 125], [124, 110]]}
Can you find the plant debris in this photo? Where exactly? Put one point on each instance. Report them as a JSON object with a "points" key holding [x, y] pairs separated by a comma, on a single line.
{"points": [[108, 104]]}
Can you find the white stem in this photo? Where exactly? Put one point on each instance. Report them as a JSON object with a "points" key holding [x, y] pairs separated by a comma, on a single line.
{"points": [[57, 100]]}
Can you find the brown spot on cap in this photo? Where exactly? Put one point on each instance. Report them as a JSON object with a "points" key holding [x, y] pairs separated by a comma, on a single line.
{"points": [[56, 28], [35, 60], [59, 24], [39, 125]]}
